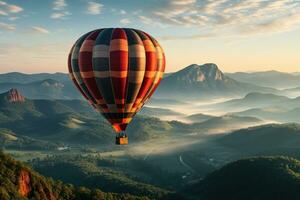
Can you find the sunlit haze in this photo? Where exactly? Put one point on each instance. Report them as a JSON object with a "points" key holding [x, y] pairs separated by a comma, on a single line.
{"points": [[250, 35]]}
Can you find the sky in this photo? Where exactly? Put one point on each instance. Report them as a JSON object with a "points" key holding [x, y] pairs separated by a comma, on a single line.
{"points": [[237, 35]]}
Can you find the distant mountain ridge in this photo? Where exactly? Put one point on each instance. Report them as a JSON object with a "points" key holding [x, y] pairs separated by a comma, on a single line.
{"points": [[258, 100], [204, 81], [34, 122], [44, 89], [276, 113], [280, 138], [61, 122], [268, 78], [225, 123], [18, 77], [193, 81]]}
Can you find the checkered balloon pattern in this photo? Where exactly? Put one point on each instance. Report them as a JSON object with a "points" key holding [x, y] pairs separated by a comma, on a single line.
{"points": [[117, 70]]}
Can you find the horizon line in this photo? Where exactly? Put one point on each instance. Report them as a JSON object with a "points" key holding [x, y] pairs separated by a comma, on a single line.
{"points": [[60, 72]]}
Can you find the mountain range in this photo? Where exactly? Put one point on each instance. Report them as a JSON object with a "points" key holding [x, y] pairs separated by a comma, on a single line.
{"points": [[194, 81], [48, 124], [269, 139], [18, 77], [223, 124], [257, 100], [273, 78], [64, 122], [293, 92], [43, 117], [199, 117], [204, 81], [275, 113], [44, 89]]}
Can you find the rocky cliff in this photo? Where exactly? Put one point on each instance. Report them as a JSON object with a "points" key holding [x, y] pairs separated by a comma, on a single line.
{"points": [[14, 95]]}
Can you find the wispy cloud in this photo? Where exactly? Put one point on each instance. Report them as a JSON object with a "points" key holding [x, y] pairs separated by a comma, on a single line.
{"points": [[285, 23], [7, 9], [188, 37], [125, 21], [60, 15], [183, 2], [145, 20], [38, 29], [3, 13], [7, 27], [175, 12], [123, 12], [13, 18], [238, 17], [94, 8], [14, 8], [149, 21], [211, 7], [59, 5], [60, 10]]}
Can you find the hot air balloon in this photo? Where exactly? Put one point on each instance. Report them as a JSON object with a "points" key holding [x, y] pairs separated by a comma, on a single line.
{"points": [[117, 70]]}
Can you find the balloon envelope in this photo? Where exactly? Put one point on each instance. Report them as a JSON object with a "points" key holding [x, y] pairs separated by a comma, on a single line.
{"points": [[117, 70]]}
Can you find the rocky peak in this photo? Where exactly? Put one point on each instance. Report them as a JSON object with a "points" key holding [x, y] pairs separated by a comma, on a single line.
{"points": [[212, 71], [201, 73], [14, 95]]}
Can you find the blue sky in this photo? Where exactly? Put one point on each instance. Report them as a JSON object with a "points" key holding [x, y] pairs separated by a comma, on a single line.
{"points": [[248, 35]]}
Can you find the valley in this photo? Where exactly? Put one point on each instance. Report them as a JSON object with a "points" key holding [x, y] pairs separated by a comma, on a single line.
{"points": [[59, 135]]}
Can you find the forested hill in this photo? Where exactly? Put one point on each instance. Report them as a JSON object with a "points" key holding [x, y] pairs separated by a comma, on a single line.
{"points": [[19, 182], [260, 178]]}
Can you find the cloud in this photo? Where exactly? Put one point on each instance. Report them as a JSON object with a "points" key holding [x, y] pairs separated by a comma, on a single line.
{"points": [[3, 13], [60, 15], [38, 29], [212, 7], [145, 20], [8, 12], [282, 24], [14, 8], [171, 12], [188, 37], [59, 5], [60, 10], [125, 21], [6, 9], [123, 12], [231, 16], [13, 18], [94, 8], [183, 2], [7, 27]]}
